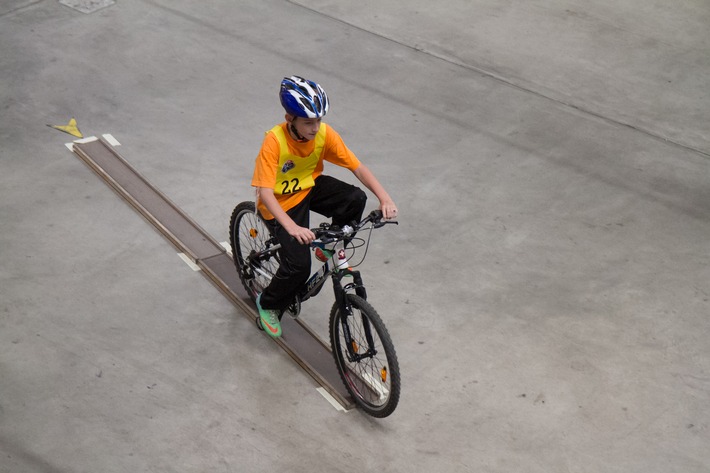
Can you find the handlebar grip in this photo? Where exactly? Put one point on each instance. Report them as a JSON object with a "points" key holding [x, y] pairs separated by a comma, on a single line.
{"points": [[375, 215]]}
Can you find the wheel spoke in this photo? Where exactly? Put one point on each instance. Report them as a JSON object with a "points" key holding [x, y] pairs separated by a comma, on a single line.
{"points": [[249, 234], [372, 376]]}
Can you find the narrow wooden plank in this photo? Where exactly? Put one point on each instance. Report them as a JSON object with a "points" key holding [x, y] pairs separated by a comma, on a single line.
{"points": [[299, 341], [155, 206]]}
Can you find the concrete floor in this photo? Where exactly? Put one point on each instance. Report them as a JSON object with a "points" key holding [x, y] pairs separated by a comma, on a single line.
{"points": [[547, 289]]}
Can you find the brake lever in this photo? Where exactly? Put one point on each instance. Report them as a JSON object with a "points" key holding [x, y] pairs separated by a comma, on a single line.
{"points": [[382, 223]]}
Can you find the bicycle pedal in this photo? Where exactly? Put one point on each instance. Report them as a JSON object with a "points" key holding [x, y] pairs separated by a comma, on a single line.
{"points": [[294, 309]]}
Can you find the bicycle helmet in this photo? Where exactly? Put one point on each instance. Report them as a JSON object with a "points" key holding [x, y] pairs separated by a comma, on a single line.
{"points": [[303, 98]]}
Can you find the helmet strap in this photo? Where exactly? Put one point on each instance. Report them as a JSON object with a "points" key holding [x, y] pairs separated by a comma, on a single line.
{"points": [[295, 132]]}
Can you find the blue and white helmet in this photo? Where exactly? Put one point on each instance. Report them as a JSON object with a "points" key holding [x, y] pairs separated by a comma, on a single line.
{"points": [[303, 98]]}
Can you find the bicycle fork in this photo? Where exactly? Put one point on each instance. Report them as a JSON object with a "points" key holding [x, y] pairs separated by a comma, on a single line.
{"points": [[355, 352]]}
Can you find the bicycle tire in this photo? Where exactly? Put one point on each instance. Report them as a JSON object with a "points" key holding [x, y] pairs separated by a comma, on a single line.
{"points": [[248, 233], [374, 381]]}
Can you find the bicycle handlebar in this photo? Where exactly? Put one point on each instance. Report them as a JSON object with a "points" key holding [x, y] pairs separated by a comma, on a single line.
{"points": [[327, 234]]}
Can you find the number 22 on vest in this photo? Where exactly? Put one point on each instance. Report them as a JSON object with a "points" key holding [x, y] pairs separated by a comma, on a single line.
{"points": [[290, 186]]}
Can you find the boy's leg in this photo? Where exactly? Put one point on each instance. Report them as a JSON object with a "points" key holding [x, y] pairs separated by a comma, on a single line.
{"points": [[341, 201], [295, 262]]}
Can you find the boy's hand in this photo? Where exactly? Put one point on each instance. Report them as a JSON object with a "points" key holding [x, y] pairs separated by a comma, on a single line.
{"points": [[389, 210], [303, 235]]}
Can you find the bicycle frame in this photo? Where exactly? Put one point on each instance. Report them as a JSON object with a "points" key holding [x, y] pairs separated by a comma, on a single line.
{"points": [[315, 283]]}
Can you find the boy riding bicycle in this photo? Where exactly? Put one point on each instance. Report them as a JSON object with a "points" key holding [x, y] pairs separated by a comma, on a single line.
{"points": [[289, 182]]}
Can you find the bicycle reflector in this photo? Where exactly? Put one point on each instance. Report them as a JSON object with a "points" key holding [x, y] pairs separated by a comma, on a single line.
{"points": [[253, 232], [383, 374]]}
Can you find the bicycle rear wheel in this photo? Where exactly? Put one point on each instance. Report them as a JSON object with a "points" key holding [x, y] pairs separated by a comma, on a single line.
{"points": [[369, 369], [248, 235]]}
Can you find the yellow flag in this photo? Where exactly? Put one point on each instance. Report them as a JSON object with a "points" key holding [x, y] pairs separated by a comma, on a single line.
{"points": [[70, 128]]}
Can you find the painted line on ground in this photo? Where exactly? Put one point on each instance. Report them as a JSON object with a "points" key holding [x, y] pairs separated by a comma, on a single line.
{"points": [[331, 400], [227, 247], [111, 140], [188, 261]]}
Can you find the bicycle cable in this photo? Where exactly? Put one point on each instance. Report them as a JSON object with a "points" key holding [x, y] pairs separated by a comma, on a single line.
{"points": [[365, 243]]}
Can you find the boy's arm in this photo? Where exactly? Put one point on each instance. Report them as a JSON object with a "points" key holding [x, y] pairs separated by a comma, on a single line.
{"points": [[302, 234], [387, 205]]}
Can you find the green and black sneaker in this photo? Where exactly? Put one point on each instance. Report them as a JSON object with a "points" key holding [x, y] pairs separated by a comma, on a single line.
{"points": [[269, 319]]}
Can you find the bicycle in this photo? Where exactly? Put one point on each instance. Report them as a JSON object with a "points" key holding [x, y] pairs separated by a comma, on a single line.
{"points": [[360, 343]]}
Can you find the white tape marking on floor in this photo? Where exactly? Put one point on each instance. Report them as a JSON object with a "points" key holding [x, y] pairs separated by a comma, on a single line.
{"points": [[380, 388], [70, 146], [331, 399], [111, 140], [189, 262], [88, 139], [227, 247]]}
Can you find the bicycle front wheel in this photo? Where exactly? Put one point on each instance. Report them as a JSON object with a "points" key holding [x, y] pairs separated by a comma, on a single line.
{"points": [[365, 356], [248, 236]]}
